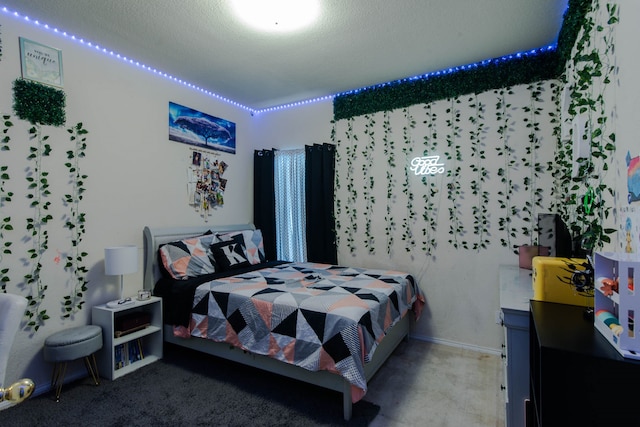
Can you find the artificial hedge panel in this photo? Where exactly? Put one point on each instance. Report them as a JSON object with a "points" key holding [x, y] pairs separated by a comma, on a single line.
{"points": [[491, 75], [542, 64], [572, 23], [38, 103]]}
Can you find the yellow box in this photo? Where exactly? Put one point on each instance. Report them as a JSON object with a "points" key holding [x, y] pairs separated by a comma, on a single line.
{"points": [[552, 280]]}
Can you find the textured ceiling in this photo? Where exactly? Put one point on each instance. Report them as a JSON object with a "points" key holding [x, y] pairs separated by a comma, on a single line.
{"points": [[354, 43]]}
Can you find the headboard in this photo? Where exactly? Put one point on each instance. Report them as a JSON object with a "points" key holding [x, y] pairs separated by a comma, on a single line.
{"points": [[153, 237]]}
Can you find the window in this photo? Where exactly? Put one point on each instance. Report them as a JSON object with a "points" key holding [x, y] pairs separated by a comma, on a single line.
{"points": [[289, 181]]}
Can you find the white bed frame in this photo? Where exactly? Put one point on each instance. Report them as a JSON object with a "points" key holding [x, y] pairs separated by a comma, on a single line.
{"points": [[154, 237]]}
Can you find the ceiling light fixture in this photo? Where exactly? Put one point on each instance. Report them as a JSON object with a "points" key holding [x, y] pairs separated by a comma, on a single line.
{"points": [[277, 15]]}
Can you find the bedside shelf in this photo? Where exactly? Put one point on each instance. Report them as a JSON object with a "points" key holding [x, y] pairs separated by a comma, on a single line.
{"points": [[123, 355]]}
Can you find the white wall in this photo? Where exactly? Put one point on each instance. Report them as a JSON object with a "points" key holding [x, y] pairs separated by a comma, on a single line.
{"points": [[136, 176], [293, 127]]}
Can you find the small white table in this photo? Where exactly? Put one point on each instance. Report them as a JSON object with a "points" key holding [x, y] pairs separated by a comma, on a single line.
{"points": [[124, 354]]}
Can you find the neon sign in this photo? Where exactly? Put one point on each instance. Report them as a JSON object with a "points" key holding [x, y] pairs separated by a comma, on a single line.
{"points": [[427, 165]]}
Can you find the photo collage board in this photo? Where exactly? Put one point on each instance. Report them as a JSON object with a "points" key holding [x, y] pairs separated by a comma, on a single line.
{"points": [[205, 182]]}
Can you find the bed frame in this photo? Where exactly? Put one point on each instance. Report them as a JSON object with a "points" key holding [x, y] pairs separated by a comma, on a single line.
{"points": [[154, 237]]}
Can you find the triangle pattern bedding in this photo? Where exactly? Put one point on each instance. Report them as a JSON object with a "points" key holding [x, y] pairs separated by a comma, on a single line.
{"points": [[316, 316]]}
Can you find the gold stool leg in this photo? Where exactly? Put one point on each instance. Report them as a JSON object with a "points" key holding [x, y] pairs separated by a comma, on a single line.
{"points": [[92, 368], [57, 379]]}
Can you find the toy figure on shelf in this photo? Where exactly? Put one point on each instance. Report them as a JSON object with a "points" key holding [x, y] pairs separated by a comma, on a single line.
{"points": [[608, 286], [611, 321]]}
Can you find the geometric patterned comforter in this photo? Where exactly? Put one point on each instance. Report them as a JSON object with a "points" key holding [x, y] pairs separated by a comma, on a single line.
{"points": [[316, 316]]}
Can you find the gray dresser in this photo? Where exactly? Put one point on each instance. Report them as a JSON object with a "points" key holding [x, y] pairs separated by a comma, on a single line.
{"points": [[515, 292]]}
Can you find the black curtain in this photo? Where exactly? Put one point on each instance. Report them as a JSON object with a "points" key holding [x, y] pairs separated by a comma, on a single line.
{"points": [[264, 202], [319, 193]]}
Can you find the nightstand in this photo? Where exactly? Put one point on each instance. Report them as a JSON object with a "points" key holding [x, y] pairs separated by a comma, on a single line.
{"points": [[124, 351]]}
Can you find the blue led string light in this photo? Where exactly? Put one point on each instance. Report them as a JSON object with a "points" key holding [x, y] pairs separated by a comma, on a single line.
{"points": [[452, 70], [421, 77]]}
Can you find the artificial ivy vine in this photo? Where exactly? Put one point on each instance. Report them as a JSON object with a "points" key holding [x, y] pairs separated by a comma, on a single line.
{"points": [[389, 152], [410, 217], [430, 213], [352, 193], [38, 194], [589, 201], [506, 151], [455, 192], [368, 189], [75, 221], [5, 198], [337, 182], [480, 210], [530, 161], [554, 166]]}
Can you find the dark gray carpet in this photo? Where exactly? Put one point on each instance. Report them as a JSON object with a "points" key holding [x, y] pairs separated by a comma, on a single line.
{"points": [[189, 388]]}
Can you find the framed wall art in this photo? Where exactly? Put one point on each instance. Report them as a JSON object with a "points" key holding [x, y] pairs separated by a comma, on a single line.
{"points": [[201, 130], [40, 63]]}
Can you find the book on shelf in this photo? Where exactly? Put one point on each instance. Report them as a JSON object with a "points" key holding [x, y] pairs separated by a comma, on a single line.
{"points": [[127, 353]]}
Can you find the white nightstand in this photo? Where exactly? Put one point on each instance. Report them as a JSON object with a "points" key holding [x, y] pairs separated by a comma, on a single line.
{"points": [[123, 354]]}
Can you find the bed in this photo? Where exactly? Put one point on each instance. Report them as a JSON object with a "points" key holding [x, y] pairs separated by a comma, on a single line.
{"points": [[349, 320]]}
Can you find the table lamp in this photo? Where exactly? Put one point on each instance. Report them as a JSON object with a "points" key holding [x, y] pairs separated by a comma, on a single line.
{"points": [[118, 261]]}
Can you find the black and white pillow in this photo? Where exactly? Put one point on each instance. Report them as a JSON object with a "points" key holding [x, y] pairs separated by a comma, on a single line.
{"points": [[188, 257], [253, 244], [230, 254]]}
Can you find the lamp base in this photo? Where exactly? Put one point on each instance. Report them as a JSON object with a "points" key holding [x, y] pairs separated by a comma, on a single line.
{"points": [[120, 303]]}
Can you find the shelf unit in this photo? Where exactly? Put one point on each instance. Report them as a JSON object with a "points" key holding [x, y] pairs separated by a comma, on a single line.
{"points": [[149, 338], [615, 306]]}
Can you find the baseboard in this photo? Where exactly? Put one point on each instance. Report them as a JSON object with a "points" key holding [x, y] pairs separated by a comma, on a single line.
{"points": [[450, 343]]}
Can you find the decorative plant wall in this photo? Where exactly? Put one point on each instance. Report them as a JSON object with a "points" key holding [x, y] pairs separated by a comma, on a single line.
{"points": [[481, 202], [476, 202], [491, 74], [42, 106], [583, 159]]}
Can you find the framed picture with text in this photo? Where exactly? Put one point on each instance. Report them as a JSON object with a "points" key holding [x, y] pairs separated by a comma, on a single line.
{"points": [[41, 63]]}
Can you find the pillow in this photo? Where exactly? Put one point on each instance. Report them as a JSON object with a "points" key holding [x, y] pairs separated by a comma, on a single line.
{"points": [[253, 243], [229, 255], [188, 257]]}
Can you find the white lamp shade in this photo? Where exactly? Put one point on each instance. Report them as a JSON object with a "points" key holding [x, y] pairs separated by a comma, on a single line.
{"points": [[119, 260]]}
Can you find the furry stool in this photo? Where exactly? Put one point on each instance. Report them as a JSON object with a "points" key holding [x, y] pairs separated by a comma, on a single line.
{"points": [[72, 344]]}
